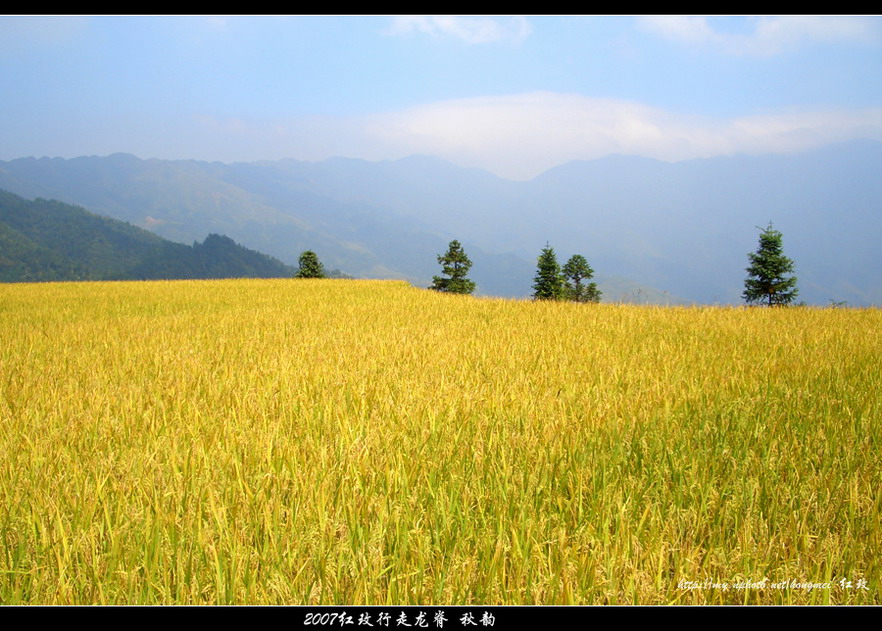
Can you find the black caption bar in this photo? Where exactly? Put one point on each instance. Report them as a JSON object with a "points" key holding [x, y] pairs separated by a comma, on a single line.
{"points": [[436, 618]]}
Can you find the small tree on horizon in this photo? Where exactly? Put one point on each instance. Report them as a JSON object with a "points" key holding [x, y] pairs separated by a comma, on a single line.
{"points": [[768, 277], [548, 284], [575, 271], [310, 266], [454, 265]]}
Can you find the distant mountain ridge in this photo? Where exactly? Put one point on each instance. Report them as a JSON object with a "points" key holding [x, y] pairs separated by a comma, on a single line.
{"points": [[44, 240], [664, 232]]}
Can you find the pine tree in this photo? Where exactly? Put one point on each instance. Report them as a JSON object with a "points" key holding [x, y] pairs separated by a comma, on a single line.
{"points": [[575, 271], [454, 265], [310, 266], [768, 279], [548, 283]]}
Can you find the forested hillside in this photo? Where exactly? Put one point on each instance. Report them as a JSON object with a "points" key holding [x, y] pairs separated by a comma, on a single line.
{"points": [[44, 240]]}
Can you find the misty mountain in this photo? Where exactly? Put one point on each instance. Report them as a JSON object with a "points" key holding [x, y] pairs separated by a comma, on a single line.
{"points": [[263, 206], [653, 230]]}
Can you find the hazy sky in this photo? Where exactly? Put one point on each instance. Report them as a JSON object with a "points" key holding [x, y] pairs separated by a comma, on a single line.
{"points": [[515, 95]]}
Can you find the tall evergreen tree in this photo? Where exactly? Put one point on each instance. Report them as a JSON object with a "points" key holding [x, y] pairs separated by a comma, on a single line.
{"points": [[575, 271], [548, 284], [768, 277], [310, 266], [454, 265]]}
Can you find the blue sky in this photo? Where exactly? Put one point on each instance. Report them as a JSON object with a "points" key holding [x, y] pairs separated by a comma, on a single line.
{"points": [[512, 94]]}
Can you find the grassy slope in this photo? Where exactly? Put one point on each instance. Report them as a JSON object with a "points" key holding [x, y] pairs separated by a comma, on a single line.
{"points": [[367, 442]]}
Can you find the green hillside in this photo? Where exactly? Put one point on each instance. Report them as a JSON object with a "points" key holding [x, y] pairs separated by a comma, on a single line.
{"points": [[44, 240]]}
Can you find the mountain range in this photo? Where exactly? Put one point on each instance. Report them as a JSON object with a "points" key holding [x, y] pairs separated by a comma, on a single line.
{"points": [[654, 231]]}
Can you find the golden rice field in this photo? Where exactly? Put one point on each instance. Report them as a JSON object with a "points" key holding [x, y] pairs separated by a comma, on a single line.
{"points": [[367, 442]]}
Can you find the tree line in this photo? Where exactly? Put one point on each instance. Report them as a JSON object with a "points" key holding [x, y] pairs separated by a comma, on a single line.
{"points": [[552, 282], [769, 279]]}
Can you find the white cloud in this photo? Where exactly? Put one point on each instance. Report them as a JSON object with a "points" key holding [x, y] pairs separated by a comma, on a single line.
{"points": [[470, 29], [767, 35], [517, 136], [522, 135], [217, 22]]}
